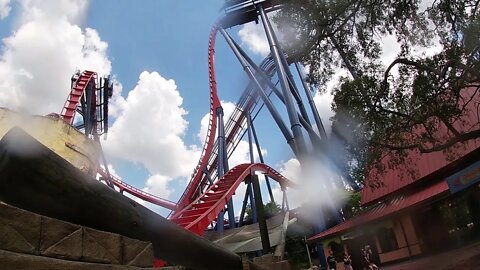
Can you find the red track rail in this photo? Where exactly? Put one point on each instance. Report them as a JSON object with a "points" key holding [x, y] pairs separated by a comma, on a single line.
{"points": [[76, 93], [187, 196], [197, 216], [137, 192]]}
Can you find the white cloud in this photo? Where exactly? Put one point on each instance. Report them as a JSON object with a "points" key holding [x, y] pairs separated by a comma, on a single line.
{"points": [[390, 49], [44, 51], [158, 185], [253, 35], [4, 8], [73, 11], [324, 101], [150, 127]]}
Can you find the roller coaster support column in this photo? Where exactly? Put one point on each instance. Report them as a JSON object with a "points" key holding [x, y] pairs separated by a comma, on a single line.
{"points": [[249, 192], [314, 137], [88, 116], [298, 98], [276, 116], [292, 113], [262, 223], [223, 168], [252, 127], [313, 107], [285, 199]]}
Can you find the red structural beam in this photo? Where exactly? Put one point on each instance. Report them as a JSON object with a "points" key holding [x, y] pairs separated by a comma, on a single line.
{"points": [[137, 192]]}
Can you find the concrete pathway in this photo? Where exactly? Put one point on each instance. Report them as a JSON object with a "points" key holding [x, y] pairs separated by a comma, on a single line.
{"points": [[463, 258]]}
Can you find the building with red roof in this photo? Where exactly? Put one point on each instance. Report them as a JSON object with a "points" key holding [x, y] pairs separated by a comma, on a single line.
{"points": [[430, 202]]}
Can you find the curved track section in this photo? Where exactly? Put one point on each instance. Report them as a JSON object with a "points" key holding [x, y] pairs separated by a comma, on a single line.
{"points": [[76, 93], [122, 186], [197, 216], [187, 196], [234, 128]]}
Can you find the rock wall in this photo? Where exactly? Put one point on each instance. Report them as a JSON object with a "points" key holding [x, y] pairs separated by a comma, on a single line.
{"points": [[31, 241]]}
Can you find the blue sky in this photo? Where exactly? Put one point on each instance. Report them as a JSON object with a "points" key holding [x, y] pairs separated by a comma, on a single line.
{"points": [[157, 53]]}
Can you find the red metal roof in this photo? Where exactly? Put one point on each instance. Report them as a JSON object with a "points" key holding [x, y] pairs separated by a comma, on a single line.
{"points": [[424, 165], [384, 209]]}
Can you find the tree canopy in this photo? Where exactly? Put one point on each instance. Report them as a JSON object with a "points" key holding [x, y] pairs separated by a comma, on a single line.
{"points": [[421, 101]]}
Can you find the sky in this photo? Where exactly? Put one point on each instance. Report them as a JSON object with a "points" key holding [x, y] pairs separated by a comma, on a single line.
{"points": [[156, 52]]}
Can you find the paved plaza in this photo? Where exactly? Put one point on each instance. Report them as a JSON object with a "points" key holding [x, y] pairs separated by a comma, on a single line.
{"points": [[463, 258]]}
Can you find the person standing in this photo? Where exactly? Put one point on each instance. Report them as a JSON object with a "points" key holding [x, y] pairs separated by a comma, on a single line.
{"points": [[331, 262], [347, 261]]}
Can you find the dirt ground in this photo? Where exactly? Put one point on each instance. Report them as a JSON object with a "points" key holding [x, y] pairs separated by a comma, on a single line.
{"points": [[464, 258]]}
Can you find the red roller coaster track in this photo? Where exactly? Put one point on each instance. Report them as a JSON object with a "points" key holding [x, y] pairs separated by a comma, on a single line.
{"points": [[197, 216], [78, 89], [195, 209], [122, 186], [187, 196]]}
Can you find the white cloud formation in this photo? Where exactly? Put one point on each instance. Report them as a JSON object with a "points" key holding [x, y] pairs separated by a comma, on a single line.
{"points": [[4, 8], [150, 127], [253, 36], [44, 51], [73, 11], [158, 185]]}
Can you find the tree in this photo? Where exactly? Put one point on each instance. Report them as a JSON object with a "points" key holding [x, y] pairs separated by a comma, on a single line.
{"points": [[418, 102], [270, 209], [352, 205]]}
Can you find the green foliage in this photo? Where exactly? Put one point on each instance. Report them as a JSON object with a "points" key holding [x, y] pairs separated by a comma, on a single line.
{"points": [[271, 209], [296, 252], [352, 206], [379, 110]]}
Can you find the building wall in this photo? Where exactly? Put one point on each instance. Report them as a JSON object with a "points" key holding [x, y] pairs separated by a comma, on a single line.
{"points": [[57, 135], [404, 233], [407, 240]]}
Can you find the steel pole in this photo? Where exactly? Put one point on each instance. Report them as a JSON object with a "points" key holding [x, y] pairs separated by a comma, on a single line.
{"points": [[292, 113], [223, 165], [313, 135], [267, 181], [262, 222], [313, 107], [276, 116]]}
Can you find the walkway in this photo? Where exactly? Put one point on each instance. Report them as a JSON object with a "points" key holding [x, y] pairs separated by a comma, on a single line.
{"points": [[464, 258]]}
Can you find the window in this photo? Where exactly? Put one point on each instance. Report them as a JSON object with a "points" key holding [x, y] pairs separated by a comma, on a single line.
{"points": [[387, 239]]}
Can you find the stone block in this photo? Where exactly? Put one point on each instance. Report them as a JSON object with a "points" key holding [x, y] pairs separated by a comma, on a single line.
{"points": [[61, 239], [19, 234], [102, 247], [137, 253], [17, 261]]}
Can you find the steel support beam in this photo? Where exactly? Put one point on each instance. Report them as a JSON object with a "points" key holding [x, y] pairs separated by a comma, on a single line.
{"points": [[313, 107], [262, 222], [273, 111], [34, 178], [285, 199], [292, 113], [252, 160], [223, 165], [267, 181], [316, 141]]}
